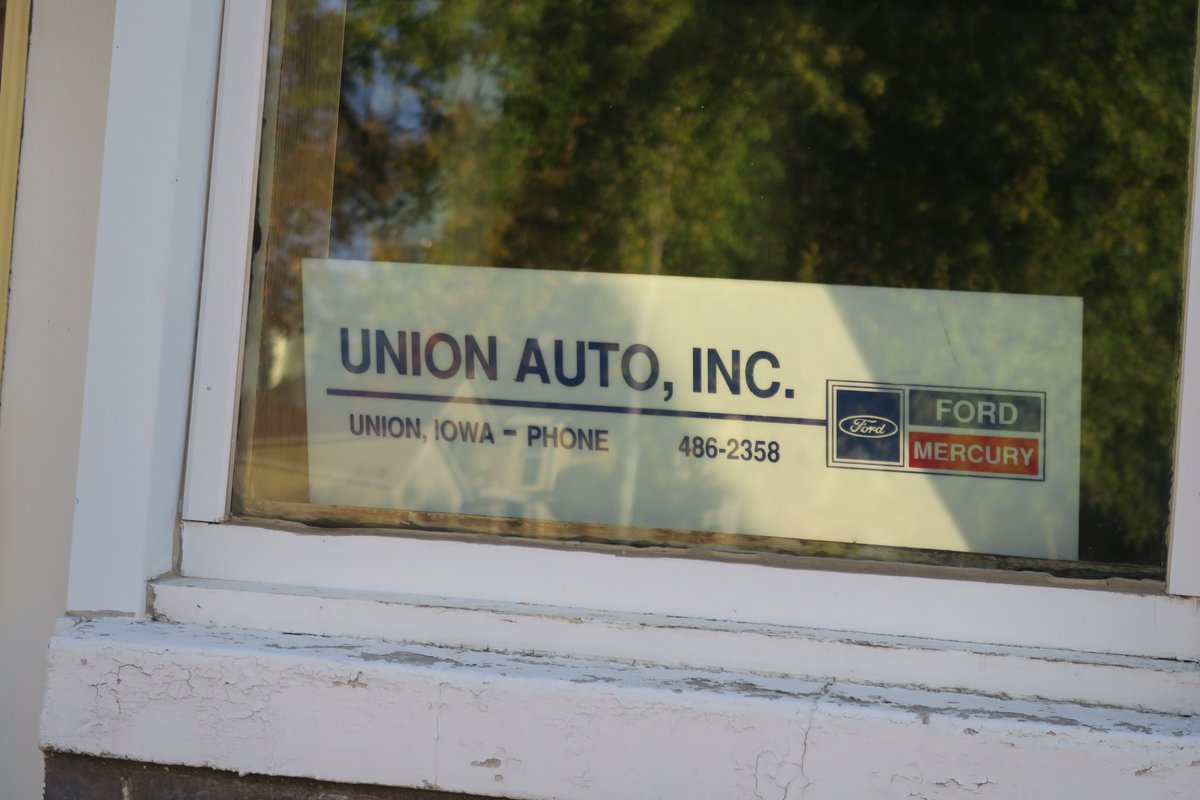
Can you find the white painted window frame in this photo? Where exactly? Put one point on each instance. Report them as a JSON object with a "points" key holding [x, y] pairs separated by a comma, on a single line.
{"points": [[273, 575], [150, 232]]}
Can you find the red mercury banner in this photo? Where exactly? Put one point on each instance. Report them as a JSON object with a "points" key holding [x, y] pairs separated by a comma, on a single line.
{"points": [[1004, 455]]}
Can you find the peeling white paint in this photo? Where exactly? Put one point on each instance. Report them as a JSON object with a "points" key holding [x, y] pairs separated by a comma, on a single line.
{"points": [[1156, 684], [542, 727]]}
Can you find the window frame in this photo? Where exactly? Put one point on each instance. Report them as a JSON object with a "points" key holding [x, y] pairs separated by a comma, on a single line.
{"points": [[993, 608]]}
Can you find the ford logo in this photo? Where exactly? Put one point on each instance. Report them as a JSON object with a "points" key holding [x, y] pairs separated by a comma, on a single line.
{"points": [[867, 426]]}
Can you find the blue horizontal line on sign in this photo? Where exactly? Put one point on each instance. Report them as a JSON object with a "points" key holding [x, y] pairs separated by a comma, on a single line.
{"points": [[597, 409]]}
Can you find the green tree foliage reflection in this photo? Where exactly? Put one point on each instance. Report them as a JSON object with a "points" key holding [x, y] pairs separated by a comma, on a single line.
{"points": [[1030, 146]]}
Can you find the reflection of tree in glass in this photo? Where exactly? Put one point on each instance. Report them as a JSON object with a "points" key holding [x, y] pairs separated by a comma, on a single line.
{"points": [[1023, 147]]}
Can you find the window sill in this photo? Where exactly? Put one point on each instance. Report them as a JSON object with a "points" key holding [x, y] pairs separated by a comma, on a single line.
{"points": [[1066, 617], [336, 708], [1162, 685]]}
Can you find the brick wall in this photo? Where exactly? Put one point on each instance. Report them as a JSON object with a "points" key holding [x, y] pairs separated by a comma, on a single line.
{"points": [[72, 777]]}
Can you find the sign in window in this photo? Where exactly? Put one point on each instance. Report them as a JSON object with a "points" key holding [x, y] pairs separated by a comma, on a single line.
{"points": [[702, 405]]}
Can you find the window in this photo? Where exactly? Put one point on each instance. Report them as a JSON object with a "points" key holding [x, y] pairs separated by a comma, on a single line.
{"points": [[452, 560], [711, 614], [1017, 205]]}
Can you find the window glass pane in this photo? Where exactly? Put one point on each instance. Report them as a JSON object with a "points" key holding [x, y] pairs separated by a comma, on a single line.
{"points": [[591, 271]]}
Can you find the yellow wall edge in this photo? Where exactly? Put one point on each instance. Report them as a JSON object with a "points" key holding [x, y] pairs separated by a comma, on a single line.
{"points": [[12, 105]]}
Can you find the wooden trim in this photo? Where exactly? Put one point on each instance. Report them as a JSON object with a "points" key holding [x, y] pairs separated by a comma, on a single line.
{"points": [[753, 590], [12, 107], [227, 252], [1183, 536]]}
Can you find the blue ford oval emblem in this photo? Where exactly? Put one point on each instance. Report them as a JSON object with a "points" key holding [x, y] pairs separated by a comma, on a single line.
{"points": [[867, 426]]}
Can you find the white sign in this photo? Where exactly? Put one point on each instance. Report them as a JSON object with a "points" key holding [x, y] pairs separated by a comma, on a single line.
{"points": [[932, 419]]}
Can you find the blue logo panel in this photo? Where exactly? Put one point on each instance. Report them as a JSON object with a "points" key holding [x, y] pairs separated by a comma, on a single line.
{"points": [[867, 425]]}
